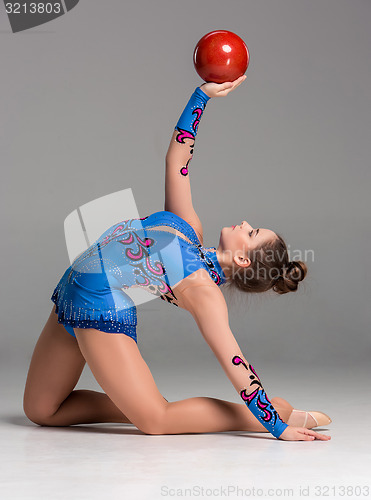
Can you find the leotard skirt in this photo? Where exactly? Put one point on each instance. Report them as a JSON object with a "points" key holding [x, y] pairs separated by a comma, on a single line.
{"points": [[103, 307]]}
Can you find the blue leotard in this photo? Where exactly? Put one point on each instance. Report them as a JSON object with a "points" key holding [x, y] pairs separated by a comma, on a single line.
{"points": [[134, 252]]}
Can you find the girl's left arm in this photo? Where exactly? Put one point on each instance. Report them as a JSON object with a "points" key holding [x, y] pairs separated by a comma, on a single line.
{"points": [[178, 198], [207, 305]]}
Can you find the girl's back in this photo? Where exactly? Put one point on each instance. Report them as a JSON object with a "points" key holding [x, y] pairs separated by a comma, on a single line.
{"points": [[155, 253]]}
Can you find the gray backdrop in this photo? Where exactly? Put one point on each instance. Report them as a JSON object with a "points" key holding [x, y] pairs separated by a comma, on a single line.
{"points": [[88, 105]]}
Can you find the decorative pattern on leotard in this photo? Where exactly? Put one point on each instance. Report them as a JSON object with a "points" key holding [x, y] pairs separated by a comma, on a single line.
{"points": [[212, 263]]}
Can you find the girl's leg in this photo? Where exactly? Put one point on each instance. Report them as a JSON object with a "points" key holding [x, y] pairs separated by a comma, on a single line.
{"points": [[122, 373], [55, 368], [88, 407]]}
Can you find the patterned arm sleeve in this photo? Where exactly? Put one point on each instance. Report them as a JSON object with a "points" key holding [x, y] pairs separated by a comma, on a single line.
{"points": [[256, 399], [178, 196], [183, 140]]}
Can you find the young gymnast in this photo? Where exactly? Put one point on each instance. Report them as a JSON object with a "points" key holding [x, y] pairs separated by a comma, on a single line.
{"points": [[93, 320]]}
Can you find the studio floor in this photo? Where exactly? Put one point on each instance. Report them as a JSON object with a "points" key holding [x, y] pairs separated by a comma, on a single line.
{"points": [[117, 461]]}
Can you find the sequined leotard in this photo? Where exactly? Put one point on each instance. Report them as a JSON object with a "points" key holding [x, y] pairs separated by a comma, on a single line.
{"points": [[132, 253]]}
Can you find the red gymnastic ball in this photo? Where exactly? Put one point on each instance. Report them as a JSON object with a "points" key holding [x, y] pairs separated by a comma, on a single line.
{"points": [[221, 56]]}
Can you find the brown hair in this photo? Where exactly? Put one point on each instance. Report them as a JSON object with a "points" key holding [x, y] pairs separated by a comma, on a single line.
{"points": [[270, 268]]}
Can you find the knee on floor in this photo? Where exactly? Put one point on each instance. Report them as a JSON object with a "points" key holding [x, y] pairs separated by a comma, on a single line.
{"points": [[40, 414], [152, 423]]}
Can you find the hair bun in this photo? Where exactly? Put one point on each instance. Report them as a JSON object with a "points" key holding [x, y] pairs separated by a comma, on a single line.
{"points": [[295, 272]]}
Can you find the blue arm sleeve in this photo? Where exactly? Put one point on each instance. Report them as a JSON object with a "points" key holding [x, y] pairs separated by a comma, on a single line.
{"points": [[257, 401], [191, 116]]}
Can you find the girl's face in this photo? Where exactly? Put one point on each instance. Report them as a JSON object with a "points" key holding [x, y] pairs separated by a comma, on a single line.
{"points": [[238, 240]]}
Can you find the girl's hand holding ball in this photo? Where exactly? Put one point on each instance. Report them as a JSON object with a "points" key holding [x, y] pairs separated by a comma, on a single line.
{"points": [[221, 89]]}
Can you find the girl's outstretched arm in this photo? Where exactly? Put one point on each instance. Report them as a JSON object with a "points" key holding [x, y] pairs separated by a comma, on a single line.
{"points": [[207, 305], [178, 198]]}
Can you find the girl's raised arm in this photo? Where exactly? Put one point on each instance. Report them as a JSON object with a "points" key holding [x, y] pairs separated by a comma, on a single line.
{"points": [[178, 197]]}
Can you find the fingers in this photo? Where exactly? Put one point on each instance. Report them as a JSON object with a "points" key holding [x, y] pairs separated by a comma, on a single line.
{"points": [[227, 87], [302, 434], [305, 434], [240, 80], [312, 435], [322, 437], [236, 83]]}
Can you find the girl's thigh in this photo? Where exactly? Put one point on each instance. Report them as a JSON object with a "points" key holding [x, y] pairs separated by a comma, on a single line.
{"points": [[55, 368], [124, 376]]}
